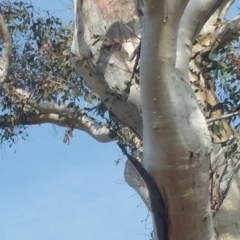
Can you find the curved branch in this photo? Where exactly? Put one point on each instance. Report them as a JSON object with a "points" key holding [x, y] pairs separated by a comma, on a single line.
{"points": [[161, 17], [223, 35], [194, 18], [223, 11], [98, 131], [81, 122], [84, 123], [216, 17]]}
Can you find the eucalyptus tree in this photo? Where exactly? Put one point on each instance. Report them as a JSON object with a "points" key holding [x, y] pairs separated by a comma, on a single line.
{"points": [[161, 79]]}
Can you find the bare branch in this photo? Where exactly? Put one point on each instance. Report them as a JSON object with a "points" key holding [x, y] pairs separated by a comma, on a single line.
{"points": [[98, 131], [169, 15], [223, 117], [84, 123], [217, 16], [64, 116], [224, 9], [59, 115], [195, 16], [7, 49], [223, 35]]}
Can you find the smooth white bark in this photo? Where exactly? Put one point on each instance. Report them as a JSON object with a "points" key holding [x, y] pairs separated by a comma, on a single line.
{"points": [[176, 139], [216, 17], [194, 18], [7, 49]]}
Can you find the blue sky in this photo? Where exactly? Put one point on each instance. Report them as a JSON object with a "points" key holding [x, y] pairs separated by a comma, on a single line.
{"points": [[53, 191]]}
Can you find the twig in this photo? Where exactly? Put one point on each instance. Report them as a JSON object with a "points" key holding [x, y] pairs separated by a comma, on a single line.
{"points": [[223, 117]]}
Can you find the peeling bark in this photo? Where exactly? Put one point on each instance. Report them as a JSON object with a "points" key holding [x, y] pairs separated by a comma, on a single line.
{"points": [[117, 26]]}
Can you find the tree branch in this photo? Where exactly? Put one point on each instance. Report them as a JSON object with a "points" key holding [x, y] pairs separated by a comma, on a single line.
{"points": [[223, 35], [50, 111], [216, 17], [224, 9], [169, 15], [195, 16], [84, 123], [223, 117], [7, 49]]}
